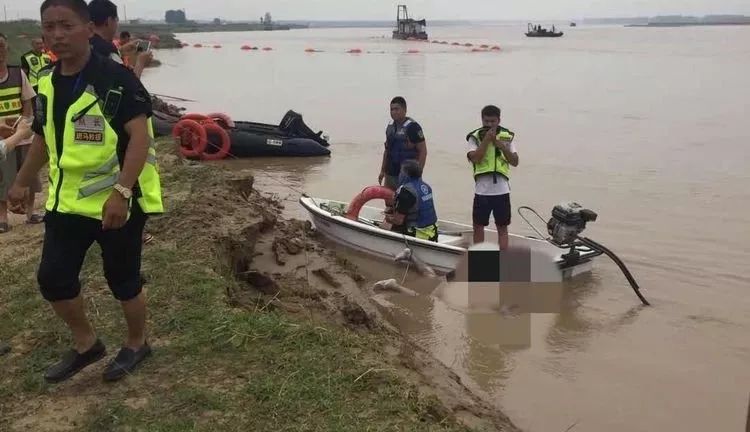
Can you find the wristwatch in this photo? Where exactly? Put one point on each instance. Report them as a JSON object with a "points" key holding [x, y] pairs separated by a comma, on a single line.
{"points": [[125, 192]]}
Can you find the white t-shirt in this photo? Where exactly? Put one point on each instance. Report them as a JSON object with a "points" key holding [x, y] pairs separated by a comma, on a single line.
{"points": [[485, 185], [27, 93]]}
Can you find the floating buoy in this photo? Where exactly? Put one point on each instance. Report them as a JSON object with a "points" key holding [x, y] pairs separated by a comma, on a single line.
{"points": [[444, 43], [468, 45], [254, 48], [267, 49], [484, 46], [495, 48], [198, 45], [455, 44], [310, 50], [246, 47], [217, 46], [436, 41], [185, 44], [413, 51], [355, 51]]}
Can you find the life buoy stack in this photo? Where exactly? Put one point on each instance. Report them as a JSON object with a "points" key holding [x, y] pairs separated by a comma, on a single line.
{"points": [[203, 136], [368, 194]]}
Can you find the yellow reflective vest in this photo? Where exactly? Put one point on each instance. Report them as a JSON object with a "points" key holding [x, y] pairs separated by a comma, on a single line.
{"points": [[10, 94], [36, 64], [83, 173], [494, 161]]}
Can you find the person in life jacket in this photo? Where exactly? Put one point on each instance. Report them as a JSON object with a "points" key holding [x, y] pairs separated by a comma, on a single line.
{"points": [[34, 61], [404, 140], [414, 205], [91, 124], [491, 153]]}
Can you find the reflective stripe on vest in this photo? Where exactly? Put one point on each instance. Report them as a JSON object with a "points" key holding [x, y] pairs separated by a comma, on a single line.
{"points": [[494, 161], [83, 175], [397, 151], [422, 214], [10, 93], [36, 63]]}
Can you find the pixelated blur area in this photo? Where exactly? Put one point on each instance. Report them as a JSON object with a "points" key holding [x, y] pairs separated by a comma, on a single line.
{"points": [[504, 288]]}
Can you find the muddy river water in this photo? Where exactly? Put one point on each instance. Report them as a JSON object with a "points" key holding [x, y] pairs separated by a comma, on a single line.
{"points": [[648, 127]]}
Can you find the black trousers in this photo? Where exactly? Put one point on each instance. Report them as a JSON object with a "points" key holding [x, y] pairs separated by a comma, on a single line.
{"points": [[67, 239]]}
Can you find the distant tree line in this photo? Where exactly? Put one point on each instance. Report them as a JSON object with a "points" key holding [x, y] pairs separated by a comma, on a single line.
{"points": [[175, 17]]}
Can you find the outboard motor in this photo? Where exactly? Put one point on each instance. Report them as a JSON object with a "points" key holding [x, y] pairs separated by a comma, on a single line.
{"points": [[293, 124], [568, 221]]}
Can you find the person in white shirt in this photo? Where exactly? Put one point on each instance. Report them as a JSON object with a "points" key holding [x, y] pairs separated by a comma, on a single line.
{"points": [[491, 152]]}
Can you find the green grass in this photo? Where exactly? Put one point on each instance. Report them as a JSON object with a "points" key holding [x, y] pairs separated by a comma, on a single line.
{"points": [[215, 367]]}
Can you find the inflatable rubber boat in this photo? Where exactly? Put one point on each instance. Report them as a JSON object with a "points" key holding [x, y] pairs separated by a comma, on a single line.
{"points": [[216, 136]]}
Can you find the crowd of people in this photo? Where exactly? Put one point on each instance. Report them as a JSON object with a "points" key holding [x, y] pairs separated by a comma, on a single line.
{"points": [[76, 106]]}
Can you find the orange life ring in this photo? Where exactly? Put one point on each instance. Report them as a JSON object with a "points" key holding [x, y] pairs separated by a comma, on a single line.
{"points": [[191, 137], [223, 148], [368, 194], [228, 122]]}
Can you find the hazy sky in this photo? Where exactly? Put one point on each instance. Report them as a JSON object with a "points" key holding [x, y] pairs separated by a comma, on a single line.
{"points": [[430, 9]]}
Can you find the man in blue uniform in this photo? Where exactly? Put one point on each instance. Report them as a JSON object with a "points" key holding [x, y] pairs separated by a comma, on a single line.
{"points": [[404, 140], [414, 205]]}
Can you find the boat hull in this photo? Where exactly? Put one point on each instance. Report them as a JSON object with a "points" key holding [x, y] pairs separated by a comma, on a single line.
{"points": [[443, 257], [544, 35]]}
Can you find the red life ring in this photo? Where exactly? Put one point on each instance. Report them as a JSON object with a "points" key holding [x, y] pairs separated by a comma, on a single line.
{"points": [[197, 117], [368, 194], [191, 137], [227, 121], [224, 147]]}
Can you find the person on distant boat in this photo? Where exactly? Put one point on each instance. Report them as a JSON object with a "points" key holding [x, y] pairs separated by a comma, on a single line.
{"points": [[404, 140], [414, 206], [491, 152]]}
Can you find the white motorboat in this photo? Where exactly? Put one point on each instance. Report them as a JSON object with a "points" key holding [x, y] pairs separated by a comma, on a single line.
{"points": [[366, 235]]}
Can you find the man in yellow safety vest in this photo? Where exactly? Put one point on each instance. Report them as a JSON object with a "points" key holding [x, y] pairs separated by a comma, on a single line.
{"points": [[491, 152], [91, 125]]}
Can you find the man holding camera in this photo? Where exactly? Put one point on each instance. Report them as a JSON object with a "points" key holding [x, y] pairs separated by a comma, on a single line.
{"points": [[106, 23], [491, 152]]}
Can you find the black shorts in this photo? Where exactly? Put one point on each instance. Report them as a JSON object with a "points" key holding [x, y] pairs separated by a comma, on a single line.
{"points": [[67, 239], [499, 205]]}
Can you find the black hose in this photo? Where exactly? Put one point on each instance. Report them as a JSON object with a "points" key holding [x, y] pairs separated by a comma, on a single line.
{"points": [[594, 245]]}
